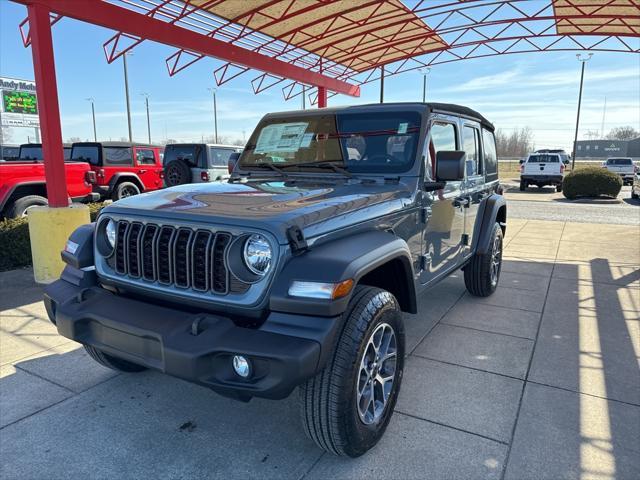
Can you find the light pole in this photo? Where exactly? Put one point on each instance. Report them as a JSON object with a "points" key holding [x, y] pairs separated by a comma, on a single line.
{"points": [[582, 60], [93, 115], [126, 93], [424, 71], [146, 102], [382, 84], [215, 114], [304, 94]]}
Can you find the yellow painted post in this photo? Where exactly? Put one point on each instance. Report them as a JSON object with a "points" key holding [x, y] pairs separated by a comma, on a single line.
{"points": [[49, 229]]}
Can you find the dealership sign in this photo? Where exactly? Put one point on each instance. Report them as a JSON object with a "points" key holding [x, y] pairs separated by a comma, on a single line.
{"points": [[18, 103]]}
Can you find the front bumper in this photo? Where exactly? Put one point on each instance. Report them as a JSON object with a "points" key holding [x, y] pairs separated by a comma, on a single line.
{"points": [[284, 351]]}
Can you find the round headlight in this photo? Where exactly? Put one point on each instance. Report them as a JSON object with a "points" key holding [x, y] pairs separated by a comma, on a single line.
{"points": [[110, 233], [257, 254]]}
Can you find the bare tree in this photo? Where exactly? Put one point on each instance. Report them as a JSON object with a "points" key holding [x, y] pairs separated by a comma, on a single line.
{"points": [[73, 139], [592, 135], [623, 133], [516, 144]]}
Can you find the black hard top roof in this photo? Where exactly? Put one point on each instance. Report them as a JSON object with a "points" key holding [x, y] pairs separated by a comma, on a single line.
{"points": [[118, 144], [39, 145], [394, 107]]}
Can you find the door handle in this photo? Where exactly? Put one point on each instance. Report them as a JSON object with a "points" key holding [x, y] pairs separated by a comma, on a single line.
{"points": [[142, 171]]}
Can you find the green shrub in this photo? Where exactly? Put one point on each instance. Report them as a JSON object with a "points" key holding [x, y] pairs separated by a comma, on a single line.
{"points": [[15, 247], [591, 182]]}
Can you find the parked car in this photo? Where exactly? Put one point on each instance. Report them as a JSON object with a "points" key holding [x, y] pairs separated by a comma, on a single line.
{"points": [[9, 152], [23, 186], [564, 156], [295, 272], [33, 151], [197, 162], [542, 169], [635, 186], [122, 169], [623, 167]]}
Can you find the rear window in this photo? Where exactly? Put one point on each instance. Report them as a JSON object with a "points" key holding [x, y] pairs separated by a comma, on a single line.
{"points": [[30, 153], [619, 161], [119, 156], [543, 159], [219, 157], [10, 153], [85, 153], [188, 153], [67, 153]]}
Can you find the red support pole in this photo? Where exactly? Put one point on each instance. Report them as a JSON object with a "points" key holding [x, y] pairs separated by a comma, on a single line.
{"points": [[49, 112], [322, 97]]}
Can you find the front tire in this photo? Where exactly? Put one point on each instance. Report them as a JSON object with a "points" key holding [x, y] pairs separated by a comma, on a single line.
{"points": [[113, 363], [482, 273], [347, 406]]}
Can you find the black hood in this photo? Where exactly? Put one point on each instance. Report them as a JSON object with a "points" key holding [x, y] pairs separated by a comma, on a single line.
{"points": [[315, 206]]}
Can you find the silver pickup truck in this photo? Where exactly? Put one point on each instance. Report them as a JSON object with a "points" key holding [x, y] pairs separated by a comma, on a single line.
{"points": [[623, 167]]}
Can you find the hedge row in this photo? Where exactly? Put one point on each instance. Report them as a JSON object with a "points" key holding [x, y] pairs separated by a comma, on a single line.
{"points": [[15, 251]]}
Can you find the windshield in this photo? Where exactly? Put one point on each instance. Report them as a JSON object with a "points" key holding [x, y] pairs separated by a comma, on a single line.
{"points": [[359, 142], [85, 153], [30, 153], [619, 161], [543, 159]]}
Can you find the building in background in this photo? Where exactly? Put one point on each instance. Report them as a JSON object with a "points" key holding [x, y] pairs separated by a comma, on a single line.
{"points": [[601, 149]]}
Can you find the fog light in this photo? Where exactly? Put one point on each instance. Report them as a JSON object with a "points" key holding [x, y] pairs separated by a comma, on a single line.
{"points": [[241, 366]]}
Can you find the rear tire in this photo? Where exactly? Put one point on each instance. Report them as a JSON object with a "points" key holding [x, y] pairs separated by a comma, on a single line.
{"points": [[22, 205], [559, 188], [347, 406], [523, 185], [113, 363], [482, 273], [177, 172], [124, 190]]}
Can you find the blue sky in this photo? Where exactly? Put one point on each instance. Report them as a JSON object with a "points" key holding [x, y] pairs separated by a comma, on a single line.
{"points": [[536, 90]]}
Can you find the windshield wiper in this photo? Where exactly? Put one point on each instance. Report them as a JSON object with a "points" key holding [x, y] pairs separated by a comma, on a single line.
{"points": [[326, 164], [270, 166]]}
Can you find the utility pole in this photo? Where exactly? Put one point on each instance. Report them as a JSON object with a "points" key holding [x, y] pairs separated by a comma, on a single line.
{"points": [[604, 113], [146, 102], [126, 93], [93, 115], [424, 71], [381, 84], [304, 94], [583, 60], [215, 114]]}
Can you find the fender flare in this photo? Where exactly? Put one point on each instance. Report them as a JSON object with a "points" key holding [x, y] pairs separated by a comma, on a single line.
{"points": [[494, 209], [127, 176], [335, 261], [5, 199]]}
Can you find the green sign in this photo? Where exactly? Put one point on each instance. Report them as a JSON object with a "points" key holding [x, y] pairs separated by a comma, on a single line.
{"points": [[19, 102]]}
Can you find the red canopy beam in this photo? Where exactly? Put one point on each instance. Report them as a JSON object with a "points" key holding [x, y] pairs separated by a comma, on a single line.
{"points": [[128, 21]]}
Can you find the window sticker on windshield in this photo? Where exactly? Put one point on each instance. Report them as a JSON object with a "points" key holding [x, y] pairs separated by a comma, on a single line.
{"points": [[283, 137], [306, 140], [402, 128]]}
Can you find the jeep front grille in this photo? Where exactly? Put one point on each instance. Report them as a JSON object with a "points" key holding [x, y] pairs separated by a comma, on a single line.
{"points": [[174, 256]]}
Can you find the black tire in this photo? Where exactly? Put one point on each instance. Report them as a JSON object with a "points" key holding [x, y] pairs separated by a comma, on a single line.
{"points": [[21, 205], [113, 363], [124, 190], [328, 401], [634, 195], [523, 185], [177, 172], [559, 187], [479, 277]]}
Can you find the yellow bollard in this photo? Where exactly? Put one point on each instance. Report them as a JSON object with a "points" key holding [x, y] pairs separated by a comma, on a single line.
{"points": [[49, 229]]}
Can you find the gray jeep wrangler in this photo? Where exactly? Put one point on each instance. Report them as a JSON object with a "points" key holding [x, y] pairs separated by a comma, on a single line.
{"points": [[296, 272]]}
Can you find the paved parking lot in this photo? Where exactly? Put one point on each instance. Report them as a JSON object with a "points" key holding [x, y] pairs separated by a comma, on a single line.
{"points": [[541, 380]]}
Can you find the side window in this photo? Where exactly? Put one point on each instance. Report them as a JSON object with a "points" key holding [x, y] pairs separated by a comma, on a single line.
{"points": [[443, 138], [145, 156], [471, 146], [490, 156], [219, 156], [117, 156]]}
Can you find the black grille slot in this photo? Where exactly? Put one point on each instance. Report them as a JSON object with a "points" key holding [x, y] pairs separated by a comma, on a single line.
{"points": [[181, 262], [220, 275], [175, 256], [133, 250], [121, 232], [200, 260], [164, 256], [148, 254]]}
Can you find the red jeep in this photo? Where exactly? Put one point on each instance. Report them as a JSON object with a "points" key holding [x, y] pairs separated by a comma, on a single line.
{"points": [[122, 169], [22, 185]]}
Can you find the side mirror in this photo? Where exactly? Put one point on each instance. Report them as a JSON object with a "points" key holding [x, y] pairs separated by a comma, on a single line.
{"points": [[233, 159], [450, 165], [521, 161]]}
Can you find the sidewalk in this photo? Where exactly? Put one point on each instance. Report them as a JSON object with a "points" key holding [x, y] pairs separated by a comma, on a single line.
{"points": [[540, 380]]}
